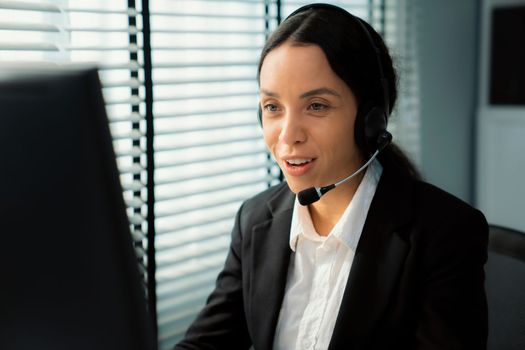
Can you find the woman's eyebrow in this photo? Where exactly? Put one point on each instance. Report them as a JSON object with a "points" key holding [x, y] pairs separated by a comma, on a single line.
{"points": [[269, 93], [320, 91]]}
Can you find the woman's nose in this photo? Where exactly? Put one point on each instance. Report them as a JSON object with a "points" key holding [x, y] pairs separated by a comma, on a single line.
{"points": [[292, 129]]}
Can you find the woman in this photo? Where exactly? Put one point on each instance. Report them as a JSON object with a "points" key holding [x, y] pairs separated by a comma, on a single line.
{"points": [[380, 261]]}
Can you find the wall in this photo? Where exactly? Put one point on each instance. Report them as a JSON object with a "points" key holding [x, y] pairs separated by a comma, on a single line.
{"points": [[469, 148], [448, 59], [500, 142]]}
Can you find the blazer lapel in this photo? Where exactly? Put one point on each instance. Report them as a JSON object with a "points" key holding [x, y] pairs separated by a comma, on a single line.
{"points": [[379, 257], [270, 258]]}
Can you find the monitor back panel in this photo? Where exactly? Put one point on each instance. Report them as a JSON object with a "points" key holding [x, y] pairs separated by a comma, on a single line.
{"points": [[69, 272]]}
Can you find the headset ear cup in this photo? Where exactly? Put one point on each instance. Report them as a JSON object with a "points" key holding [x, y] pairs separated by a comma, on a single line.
{"points": [[370, 126], [374, 127], [375, 123], [359, 129]]}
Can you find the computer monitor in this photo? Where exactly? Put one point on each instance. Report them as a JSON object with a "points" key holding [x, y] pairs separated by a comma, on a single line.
{"points": [[69, 275]]}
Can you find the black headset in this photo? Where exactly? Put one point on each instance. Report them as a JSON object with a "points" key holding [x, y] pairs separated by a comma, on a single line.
{"points": [[371, 121]]}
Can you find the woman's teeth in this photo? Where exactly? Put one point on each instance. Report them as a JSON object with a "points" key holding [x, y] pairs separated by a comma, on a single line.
{"points": [[298, 161]]}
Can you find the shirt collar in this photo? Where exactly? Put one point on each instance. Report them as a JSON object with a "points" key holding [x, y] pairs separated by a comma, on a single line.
{"points": [[348, 228]]}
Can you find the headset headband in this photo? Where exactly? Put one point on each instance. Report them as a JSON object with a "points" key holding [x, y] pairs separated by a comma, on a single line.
{"points": [[382, 79]]}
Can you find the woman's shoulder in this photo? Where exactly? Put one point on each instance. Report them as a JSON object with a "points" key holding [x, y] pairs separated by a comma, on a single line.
{"points": [[426, 206], [269, 193], [437, 208], [410, 193], [264, 204], [427, 194]]}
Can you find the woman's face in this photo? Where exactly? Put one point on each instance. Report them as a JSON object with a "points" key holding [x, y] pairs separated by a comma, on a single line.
{"points": [[308, 116]]}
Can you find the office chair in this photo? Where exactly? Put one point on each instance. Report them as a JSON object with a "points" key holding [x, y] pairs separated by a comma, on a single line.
{"points": [[505, 286]]}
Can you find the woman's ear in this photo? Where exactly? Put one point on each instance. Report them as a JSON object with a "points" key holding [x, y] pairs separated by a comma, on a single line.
{"points": [[259, 114]]}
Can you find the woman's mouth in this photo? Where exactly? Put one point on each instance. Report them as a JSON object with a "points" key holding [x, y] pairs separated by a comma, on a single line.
{"points": [[298, 166]]}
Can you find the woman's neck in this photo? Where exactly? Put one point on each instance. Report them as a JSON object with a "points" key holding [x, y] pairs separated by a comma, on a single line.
{"points": [[326, 212]]}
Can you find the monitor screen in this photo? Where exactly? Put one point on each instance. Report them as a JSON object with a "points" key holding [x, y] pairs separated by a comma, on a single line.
{"points": [[70, 276], [507, 66]]}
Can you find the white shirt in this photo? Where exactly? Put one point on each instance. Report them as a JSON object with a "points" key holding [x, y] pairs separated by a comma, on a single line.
{"points": [[319, 269]]}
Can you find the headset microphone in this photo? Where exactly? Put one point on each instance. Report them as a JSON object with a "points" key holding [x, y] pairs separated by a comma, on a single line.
{"points": [[313, 194]]}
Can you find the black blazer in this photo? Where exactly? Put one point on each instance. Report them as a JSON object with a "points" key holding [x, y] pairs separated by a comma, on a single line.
{"points": [[416, 282]]}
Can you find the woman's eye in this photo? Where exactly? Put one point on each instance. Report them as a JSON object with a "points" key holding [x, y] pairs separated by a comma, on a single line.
{"points": [[316, 106], [270, 107]]}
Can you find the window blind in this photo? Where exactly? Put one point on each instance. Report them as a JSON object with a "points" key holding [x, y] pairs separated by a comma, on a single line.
{"points": [[400, 35], [209, 153], [101, 33]]}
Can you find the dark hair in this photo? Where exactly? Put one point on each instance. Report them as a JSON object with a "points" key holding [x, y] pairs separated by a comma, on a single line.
{"points": [[352, 57]]}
